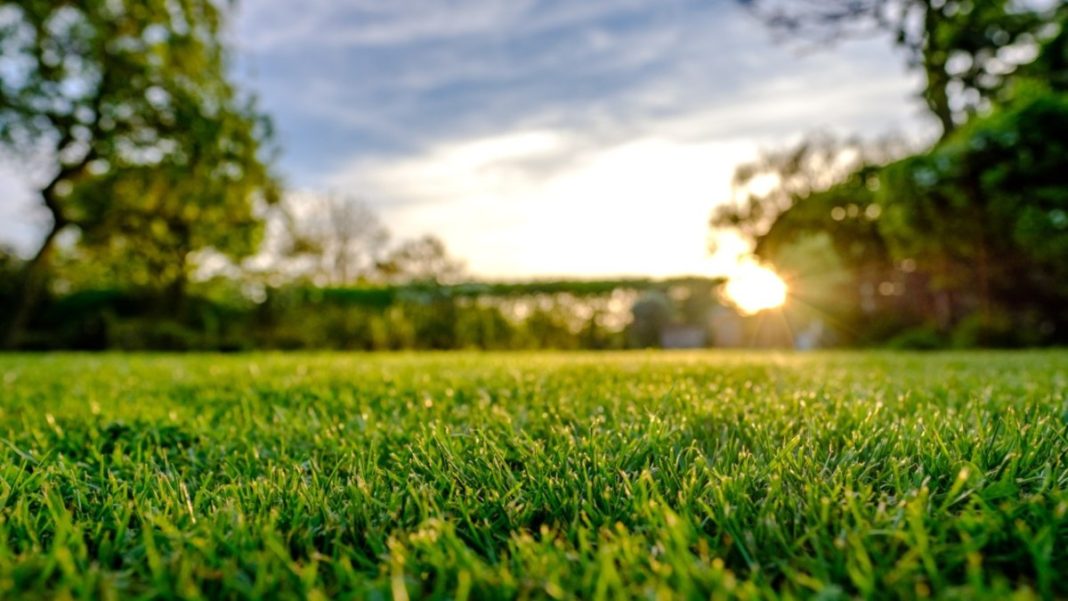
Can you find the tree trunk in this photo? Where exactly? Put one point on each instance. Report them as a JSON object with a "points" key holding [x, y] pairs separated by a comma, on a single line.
{"points": [[176, 290], [34, 274], [30, 289], [934, 69], [938, 100]]}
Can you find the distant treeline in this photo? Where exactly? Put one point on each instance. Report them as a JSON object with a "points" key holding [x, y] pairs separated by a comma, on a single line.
{"points": [[602, 314]]}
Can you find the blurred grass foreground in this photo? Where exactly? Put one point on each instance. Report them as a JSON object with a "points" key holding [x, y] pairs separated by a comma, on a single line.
{"points": [[695, 475]]}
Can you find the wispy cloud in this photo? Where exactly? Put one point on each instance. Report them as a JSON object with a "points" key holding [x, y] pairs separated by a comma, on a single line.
{"points": [[365, 77], [280, 24]]}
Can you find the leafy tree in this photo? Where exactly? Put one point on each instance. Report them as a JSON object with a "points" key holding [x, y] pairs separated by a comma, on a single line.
{"points": [[422, 260], [830, 248], [811, 211], [988, 212], [152, 152], [965, 48], [766, 188], [329, 239]]}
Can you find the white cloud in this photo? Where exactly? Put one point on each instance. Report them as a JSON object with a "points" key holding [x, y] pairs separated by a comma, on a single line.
{"points": [[494, 166], [632, 198], [542, 203]]}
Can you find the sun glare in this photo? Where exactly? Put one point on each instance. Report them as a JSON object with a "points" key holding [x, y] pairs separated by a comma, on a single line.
{"points": [[754, 288]]}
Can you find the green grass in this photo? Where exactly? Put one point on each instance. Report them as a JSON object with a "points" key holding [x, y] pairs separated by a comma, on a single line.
{"points": [[534, 475]]}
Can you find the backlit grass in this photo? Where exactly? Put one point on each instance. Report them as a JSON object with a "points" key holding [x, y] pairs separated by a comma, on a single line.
{"points": [[534, 475]]}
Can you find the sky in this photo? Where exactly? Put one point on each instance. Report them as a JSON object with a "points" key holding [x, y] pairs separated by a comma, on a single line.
{"points": [[540, 138]]}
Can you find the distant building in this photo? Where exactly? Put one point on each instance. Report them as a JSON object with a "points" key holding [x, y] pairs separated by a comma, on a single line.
{"points": [[728, 328], [683, 336]]}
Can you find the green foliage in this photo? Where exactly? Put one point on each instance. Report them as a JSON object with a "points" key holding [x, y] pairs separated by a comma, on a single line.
{"points": [[1051, 66], [224, 314], [919, 338], [701, 475], [813, 165], [421, 261], [986, 212], [990, 331]]}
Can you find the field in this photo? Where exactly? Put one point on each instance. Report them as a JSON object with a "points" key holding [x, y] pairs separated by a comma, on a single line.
{"points": [[657, 475]]}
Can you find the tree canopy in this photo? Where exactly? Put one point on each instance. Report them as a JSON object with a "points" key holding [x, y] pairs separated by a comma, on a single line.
{"points": [[147, 143]]}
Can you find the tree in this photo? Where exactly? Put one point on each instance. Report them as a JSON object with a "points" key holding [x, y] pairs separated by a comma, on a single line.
{"points": [[766, 188], [149, 145], [990, 205], [422, 260], [329, 239], [965, 48]]}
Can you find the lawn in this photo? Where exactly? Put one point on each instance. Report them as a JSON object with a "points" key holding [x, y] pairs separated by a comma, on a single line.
{"points": [[693, 475]]}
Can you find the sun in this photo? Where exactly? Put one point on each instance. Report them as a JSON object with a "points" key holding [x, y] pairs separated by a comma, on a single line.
{"points": [[754, 288]]}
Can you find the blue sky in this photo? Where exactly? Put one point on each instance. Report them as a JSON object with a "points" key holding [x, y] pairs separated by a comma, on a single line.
{"points": [[542, 138]]}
